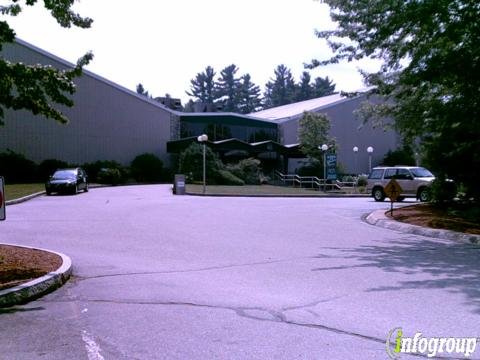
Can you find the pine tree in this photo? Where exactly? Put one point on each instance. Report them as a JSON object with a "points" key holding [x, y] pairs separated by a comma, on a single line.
{"points": [[323, 87], [141, 90], [304, 89], [281, 89], [228, 89], [203, 86], [249, 96]]}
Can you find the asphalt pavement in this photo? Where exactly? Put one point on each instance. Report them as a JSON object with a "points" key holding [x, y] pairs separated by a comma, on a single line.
{"points": [[157, 276]]}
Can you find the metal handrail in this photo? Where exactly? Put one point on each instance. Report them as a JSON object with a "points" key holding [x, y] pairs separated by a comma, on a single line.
{"points": [[313, 181]]}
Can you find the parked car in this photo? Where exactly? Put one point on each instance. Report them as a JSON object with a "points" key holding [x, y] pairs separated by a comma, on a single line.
{"points": [[415, 181], [67, 181]]}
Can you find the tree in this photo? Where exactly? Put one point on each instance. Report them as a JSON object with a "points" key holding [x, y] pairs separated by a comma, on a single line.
{"points": [[203, 86], [141, 90], [228, 88], [323, 87], [281, 89], [430, 74], [313, 131], [249, 96], [37, 88], [304, 88]]}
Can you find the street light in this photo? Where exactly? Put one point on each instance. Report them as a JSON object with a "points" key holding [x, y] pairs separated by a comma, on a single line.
{"points": [[355, 154], [203, 139], [370, 151], [324, 148]]}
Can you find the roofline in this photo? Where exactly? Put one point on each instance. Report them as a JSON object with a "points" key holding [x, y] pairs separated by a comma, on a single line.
{"points": [[95, 76], [214, 114], [323, 107]]}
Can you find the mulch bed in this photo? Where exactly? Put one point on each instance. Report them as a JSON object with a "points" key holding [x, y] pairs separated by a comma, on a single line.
{"points": [[435, 217], [19, 265]]}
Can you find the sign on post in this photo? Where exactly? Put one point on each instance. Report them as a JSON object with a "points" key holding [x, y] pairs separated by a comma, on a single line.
{"points": [[331, 160], [2, 199], [179, 184], [393, 191]]}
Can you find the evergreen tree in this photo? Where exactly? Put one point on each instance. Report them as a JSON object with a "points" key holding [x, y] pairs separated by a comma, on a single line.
{"points": [[304, 88], [249, 96], [281, 89], [323, 87], [203, 86], [228, 89], [141, 90]]}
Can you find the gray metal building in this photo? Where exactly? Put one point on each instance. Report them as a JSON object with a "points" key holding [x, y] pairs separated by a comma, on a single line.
{"points": [[110, 122], [107, 122], [348, 131]]}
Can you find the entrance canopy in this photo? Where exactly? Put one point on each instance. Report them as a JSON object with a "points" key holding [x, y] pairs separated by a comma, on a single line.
{"points": [[236, 145]]}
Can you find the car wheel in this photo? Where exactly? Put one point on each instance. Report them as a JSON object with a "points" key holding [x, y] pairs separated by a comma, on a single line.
{"points": [[424, 195], [48, 192], [378, 194], [75, 190], [86, 187], [400, 198]]}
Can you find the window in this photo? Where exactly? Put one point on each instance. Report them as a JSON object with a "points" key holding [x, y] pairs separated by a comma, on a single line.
{"points": [[403, 174], [390, 173], [376, 174]]}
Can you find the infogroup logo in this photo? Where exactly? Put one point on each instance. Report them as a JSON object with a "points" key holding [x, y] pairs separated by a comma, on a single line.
{"points": [[397, 344]]}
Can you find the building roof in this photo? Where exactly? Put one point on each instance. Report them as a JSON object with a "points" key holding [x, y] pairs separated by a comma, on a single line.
{"points": [[95, 76], [295, 110]]}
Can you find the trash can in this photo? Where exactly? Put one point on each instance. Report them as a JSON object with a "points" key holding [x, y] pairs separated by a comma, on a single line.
{"points": [[179, 184]]}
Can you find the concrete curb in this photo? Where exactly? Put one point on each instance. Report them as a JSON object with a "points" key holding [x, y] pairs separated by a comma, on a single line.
{"points": [[378, 218], [33, 289], [284, 195], [25, 198]]}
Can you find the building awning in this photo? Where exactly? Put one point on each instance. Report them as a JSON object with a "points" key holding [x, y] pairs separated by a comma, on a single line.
{"points": [[229, 145]]}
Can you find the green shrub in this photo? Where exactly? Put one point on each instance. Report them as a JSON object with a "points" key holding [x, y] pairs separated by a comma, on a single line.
{"points": [[109, 176], [16, 168], [49, 166], [191, 163], [403, 156], [225, 177], [362, 180], [443, 191], [247, 170], [95, 169], [146, 168]]}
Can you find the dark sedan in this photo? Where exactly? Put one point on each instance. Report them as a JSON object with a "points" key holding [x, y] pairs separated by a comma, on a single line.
{"points": [[67, 181]]}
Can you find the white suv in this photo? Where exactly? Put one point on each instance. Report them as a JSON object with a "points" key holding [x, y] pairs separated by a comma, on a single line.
{"points": [[414, 181]]}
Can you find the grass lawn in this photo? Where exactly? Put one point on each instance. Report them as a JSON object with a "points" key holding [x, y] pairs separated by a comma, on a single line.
{"points": [[16, 191], [255, 190]]}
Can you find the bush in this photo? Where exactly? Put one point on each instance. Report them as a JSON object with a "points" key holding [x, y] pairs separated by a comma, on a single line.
{"points": [[109, 176], [146, 168], [403, 156], [191, 163], [247, 170], [362, 180], [16, 168], [49, 166], [443, 191], [95, 169], [225, 177]]}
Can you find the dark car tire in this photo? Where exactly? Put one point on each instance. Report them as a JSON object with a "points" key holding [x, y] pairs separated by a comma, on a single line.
{"points": [[75, 190], [400, 198], [86, 187], [48, 192], [424, 194], [378, 194]]}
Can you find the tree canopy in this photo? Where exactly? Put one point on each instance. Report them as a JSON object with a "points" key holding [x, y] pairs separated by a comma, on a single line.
{"points": [[37, 88], [430, 75]]}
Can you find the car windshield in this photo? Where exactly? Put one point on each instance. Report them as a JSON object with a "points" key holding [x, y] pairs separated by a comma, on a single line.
{"points": [[64, 175], [421, 172]]}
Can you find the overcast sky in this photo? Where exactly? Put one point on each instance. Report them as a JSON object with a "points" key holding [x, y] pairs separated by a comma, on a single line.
{"points": [[164, 44]]}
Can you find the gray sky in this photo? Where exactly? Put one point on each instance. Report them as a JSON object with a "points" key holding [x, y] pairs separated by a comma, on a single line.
{"points": [[164, 44]]}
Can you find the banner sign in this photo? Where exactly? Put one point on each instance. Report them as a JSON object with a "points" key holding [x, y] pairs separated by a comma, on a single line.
{"points": [[331, 166]]}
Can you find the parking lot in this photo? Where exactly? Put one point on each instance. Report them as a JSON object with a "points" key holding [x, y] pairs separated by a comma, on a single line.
{"points": [[178, 277]]}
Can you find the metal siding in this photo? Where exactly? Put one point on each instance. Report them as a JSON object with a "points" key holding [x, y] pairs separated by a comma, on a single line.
{"points": [[106, 123]]}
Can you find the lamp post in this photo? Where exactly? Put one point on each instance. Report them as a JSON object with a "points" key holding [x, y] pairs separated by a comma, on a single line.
{"points": [[203, 139], [355, 154], [370, 151], [324, 148]]}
